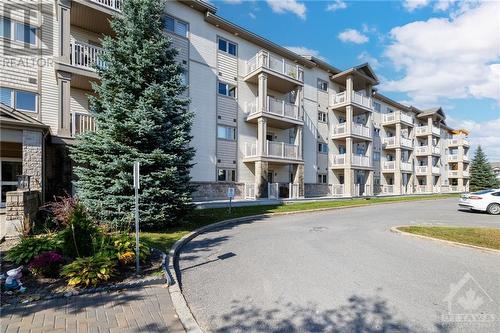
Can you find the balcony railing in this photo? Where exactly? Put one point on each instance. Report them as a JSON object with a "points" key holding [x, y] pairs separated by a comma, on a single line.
{"points": [[356, 97], [389, 142], [453, 158], [339, 129], [458, 142], [249, 191], [421, 169], [282, 108], [405, 142], [361, 130], [422, 150], [465, 173], [388, 189], [112, 4], [397, 116], [436, 130], [280, 65], [361, 160], [426, 130], [339, 160], [389, 165], [85, 56], [406, 166], [81, 123], [250, 149], [436, 170], [465, 158], [453, 173], [282, 150], [337, 190]]}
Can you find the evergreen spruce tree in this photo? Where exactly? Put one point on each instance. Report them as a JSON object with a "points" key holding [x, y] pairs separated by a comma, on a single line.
{"points": [[142, 116], [482, 176]]}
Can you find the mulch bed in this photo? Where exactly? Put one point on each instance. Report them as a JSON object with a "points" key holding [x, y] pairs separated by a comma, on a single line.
{"points": [[45, 288]]}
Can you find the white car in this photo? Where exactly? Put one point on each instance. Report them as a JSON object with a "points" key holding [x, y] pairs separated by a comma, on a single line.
{"points": [[485, 200]]}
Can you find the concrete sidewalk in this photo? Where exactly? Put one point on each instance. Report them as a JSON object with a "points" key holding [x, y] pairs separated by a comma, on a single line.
{"points": [[145, 309]]}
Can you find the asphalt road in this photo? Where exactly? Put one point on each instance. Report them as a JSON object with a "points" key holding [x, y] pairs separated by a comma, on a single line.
{"points": [[343, 271]]}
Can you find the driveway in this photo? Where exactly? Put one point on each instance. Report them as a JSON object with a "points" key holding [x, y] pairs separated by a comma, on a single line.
{"points": [[343, 271]]}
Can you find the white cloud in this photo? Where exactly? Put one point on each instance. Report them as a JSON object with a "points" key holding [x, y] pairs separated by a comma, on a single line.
{"points": [[411, 5], [482, 133], [336, 5], [283, 6], [252, 15], [353, 36], [367, 57], [302, 50], [448, 58]]}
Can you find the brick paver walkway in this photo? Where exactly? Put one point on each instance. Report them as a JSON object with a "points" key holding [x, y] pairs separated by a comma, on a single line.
{"points": [[145, 309]]}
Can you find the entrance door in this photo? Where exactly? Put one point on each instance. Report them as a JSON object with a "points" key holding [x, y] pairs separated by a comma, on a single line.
{"points": [[270, 176], [10, 168]]}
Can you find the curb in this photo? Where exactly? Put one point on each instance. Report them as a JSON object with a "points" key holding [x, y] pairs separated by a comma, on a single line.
{"points": [[181, 307], [396, 230]]}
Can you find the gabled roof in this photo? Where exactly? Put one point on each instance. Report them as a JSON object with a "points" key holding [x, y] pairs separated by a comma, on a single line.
{"points": [[322, 64], [364, 71], [433, 111], [15, 118]]}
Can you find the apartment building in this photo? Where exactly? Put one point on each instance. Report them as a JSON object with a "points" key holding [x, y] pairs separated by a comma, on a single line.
{"points": [[269, 122]]}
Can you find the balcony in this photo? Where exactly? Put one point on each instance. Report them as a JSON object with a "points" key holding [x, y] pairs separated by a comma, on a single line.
{"points": [[455, 142], [427, 150], [453, 158], [274, 150], [340, 130], [436, 170], [341, 99], [280, 114], [406, 143], [82, 123], [361, 161], [284, 75], [389, 166], [111, 4], [453, 173], [389, 142], [388, 189], [337, 190], [396, 117], [85, 56], [465, 158], [427, 130], [465, 174], [421, 170], [406, 167], [339, 160]]}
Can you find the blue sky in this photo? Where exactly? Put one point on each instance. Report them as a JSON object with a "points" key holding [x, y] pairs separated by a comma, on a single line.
{"points": [[426, 53]]}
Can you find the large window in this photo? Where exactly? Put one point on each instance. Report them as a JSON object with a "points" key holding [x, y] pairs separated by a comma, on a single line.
{"points": [[227, 46], [226, 89], [18, 99], [322, 85], [226, 133], [322, 116], [17, 31], [226, 175], [176, 26], [5, 27]]}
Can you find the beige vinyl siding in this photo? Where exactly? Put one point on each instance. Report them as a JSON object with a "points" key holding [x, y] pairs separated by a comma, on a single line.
{"points": [[227, 66], [227, 111], [181, 44], [79, 100], [226, 153], [85, 36]]}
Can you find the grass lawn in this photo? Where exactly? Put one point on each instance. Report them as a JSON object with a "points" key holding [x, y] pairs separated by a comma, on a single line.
{"points": [[202, 217], [485, 237]]}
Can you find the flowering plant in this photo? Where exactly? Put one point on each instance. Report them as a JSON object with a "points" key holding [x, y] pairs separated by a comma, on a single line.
{"points": [[46, 264]]}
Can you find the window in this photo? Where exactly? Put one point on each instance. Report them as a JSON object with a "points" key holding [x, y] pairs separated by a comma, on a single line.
{"points": [[226, 46], [322, 148], [389, 110], [18, 99], [376, 156], [322, 179], [226, 133], [322, 85], [226, 175], [377, 106], [25, 33], [227, 89], [185, 77], [176, 26], [5, 25], [322, 116]]}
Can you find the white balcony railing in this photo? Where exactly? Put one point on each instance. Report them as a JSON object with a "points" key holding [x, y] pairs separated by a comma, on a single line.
{"points": [[435, 150], [277, 64], [436, 130], [250, 149], [453, 173], [112, 4], [422, 150], [465, 158], [406, 166], [81, 123], [389, 165], [388, 189], [251, 107], [436, 170], [361, 160], [453, 158], [249, 191], [465, 173], [453, 188], [356, 97], [339, 129], [339, 98], [421, 189], [339, 160], [421, 130], [421, 169], [361, 130], [405, 142], [337, 190], [282, 108], [397, 116], [282, 150], [389, 142], [458, 142], [85, 56]]}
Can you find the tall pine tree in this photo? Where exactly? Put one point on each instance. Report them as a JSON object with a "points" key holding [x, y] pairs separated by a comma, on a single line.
{"points": [[482, 176], [142, 116]]}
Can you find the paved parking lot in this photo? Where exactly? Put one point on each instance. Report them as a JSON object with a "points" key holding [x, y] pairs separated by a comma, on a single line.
{"points": [[343, 271]]}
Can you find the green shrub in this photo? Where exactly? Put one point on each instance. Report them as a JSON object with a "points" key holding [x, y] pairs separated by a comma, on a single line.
{"points": [[124, 249], [30, 247], [80, 234], [90, 271]]}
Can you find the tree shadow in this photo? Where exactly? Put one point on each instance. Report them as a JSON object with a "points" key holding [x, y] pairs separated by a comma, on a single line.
{"points": [[358, 315]]}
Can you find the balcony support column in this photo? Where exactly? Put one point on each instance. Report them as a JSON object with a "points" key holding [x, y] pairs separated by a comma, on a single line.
{"points": [[348, 171], [64, 87], [349, 116], [261, 136], [262, 91], [398, 177], [63, 18], [298, 141], [298, 178], [349, 88], [430, 177], [298, 101], [261, 169]]}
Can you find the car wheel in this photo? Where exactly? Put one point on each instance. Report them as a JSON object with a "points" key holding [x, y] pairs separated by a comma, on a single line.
{"points": [[493, 209]]}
